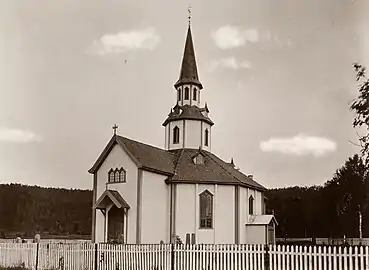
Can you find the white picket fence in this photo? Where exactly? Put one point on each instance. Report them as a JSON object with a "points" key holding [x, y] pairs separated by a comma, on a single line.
{"points": [[182, 257]]}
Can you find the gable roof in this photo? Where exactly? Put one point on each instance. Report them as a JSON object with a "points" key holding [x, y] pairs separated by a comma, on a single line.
{"points": [[178, 164], [188, 112], [261, 220], [114, 196]]}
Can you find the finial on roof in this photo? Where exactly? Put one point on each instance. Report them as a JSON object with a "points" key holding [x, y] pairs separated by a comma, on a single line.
{"points": [[206, 107], [232, 162], [189, 15], [200, 148], [115, 127]]}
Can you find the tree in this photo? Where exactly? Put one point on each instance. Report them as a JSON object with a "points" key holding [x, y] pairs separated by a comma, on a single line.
{"points": [[360, 106]]}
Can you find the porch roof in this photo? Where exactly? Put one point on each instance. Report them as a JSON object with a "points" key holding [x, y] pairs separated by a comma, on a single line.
{"points": [[111, 196]]}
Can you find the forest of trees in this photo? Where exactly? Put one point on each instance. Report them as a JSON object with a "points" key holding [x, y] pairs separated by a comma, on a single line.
{"points": [[26, 210], [332, 210]]}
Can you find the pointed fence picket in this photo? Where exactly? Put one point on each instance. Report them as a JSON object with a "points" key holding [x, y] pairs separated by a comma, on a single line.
{"points": [[182, 257]]}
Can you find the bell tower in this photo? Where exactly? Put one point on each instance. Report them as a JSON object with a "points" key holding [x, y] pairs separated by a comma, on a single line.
{"points": [[188, 124]]}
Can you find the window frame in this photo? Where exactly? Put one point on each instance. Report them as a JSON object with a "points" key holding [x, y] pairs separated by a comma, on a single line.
{"points": [[187, 93], [251, 205], [176, 135], [115, 176], [206, 212], [195, 94], [206, 139]]}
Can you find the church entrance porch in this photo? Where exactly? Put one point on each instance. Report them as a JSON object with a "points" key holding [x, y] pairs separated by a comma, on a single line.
{"points": [[115, 211]]}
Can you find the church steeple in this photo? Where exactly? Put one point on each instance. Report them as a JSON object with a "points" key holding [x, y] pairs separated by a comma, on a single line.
{"points": [[188, 124], [188, 74]]}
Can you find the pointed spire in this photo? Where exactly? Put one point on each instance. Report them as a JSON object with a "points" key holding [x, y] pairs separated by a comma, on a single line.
{"points": [[232, 163], [189, 68]]}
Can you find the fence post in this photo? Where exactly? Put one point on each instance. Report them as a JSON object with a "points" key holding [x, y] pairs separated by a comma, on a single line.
{"points": [[96, 258], [37, 253], [266, 257], [172, 255]]}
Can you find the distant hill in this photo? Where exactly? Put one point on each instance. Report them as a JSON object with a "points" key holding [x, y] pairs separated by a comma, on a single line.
{"points": [[26, 210]]}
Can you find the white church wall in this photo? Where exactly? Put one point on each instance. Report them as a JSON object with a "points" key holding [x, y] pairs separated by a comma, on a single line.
{"points": [[116, 159], [255, 235], [243, 207], [99, 229], [170, 127], [185, 210], [192, 134], [225, 215], [155, 209]]}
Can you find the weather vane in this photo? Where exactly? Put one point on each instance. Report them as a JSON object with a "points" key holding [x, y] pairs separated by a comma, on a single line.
{"points": [[189, 14], [115, 127]]}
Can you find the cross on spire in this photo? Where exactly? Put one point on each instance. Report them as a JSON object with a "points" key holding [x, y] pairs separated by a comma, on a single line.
{"points": [[189, 14], [115, 127]]}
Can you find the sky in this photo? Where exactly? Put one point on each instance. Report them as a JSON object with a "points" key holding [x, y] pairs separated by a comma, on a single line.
{"points": [[277, 77]]}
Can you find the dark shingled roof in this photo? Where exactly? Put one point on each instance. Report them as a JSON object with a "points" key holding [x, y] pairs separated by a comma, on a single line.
{"points": [[178, 164], [188, 112], [113, 196], [189, 68]]}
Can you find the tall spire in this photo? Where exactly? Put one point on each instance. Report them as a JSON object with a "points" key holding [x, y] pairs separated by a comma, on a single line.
{"points": [[189, 68]]}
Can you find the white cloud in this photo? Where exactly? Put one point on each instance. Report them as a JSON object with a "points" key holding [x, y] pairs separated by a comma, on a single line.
{"points": [[230, 62], [146, 39], [228, 37], [18, 136], [299, 145]]}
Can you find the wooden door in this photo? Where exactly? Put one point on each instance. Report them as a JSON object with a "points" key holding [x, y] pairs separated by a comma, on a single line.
{"points": [[116, 225]]}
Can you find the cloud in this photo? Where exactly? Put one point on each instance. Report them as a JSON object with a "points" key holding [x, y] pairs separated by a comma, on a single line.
{"points": [[228, 37], [274, 39], [146, 39], [18, 136], [299, 145], [230, 62]]}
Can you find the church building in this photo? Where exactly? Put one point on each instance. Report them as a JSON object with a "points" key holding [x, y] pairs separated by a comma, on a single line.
{"points": [[148, 195]]}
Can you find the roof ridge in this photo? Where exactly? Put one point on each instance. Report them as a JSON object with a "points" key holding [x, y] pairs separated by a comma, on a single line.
{"points": [[209, 155], [149, 145]]}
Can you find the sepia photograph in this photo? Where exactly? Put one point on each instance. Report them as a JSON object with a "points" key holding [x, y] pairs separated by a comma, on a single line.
{"points": [[174, 135]]}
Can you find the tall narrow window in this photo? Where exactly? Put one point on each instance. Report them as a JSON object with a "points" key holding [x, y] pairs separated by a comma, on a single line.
{"points": [[187, 93], [117, 177], [206, 210], [176, 134], [179, 94], [251, 205], [122, 176], [194, 94], [111, 176], [206, 137]]}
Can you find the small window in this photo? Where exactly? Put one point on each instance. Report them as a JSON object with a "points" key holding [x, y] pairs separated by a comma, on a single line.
{"points": [[251, 205], [122, 176], [176, 135], [194, 94], [206, 137], [187, 93], [111, 177], [179, 94], [206, 210], [117, 175], [199, 159]]}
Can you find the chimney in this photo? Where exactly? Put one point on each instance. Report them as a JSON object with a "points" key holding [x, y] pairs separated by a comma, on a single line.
{"points": [[251, 176]]}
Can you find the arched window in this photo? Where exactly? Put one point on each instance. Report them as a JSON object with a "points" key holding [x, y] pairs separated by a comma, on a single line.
{"points": [[206, 210], [116, 176], [122, 176], [206, 137], [176, 134], [179, 94], [111, 176], [251, 205], [194, 94], [187, 93]]}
